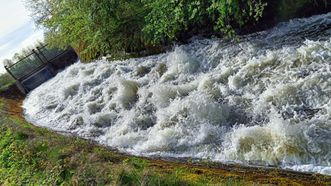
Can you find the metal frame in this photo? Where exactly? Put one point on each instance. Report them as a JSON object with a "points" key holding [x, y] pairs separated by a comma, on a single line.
{"points": [[45, 63]]}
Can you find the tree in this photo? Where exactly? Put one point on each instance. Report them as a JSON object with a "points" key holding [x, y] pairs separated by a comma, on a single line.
{"points": [[94, 28], [100, 27]]}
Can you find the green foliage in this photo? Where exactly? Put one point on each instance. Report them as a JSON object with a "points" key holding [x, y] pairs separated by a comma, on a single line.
{"points": [[229, 13], [16, 159], [136, 178], [168, 19], [120, 24], [140, 174], [94, 28], [5, 81], [102, 27]]}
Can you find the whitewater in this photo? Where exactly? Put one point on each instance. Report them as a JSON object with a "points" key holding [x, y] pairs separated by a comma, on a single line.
{"points": [[264, 100]]}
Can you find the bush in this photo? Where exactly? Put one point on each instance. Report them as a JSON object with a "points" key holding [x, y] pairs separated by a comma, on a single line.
{"points": [[168, 19], [98, 28], [94, 28]]}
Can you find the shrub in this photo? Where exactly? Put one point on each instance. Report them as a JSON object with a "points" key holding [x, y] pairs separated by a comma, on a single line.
{"points": [[168, 19], [97, 28]]}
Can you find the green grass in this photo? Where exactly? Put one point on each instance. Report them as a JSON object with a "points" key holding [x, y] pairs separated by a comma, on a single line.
{"points": [[6, 81]]}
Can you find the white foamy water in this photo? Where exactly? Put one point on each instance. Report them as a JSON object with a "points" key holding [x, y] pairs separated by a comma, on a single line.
{"points": [[265, 100]]}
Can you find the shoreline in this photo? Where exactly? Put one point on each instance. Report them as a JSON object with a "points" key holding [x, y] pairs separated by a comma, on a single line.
{"points": [[259, 175]]}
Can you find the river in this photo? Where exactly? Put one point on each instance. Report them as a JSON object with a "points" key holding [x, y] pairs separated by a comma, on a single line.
{"points": [[263, 99]]}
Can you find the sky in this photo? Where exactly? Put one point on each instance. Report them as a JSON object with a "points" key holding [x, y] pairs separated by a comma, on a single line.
{"points": [[17, 29]]}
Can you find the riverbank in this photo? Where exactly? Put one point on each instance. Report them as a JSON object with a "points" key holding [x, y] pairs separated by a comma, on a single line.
{"points": [[33, 155]]}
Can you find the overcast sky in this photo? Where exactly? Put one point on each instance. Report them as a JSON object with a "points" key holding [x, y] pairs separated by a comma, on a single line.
{"points": [[17, 29]]}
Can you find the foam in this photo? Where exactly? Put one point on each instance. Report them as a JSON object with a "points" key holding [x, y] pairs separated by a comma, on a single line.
{"points": [[263, 101]]}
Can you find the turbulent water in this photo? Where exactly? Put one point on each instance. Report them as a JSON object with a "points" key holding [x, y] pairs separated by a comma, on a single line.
{"points": [[265, 100]]}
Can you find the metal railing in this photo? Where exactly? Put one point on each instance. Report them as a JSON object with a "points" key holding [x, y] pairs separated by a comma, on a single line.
{"points": [[33, 62]]}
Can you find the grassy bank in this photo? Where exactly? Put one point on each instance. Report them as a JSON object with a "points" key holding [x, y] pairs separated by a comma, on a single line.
{"points": [[6, 81], [30, 155]]}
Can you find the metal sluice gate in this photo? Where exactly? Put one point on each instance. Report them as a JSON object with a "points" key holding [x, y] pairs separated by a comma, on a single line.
{"points": [[39, 66]]}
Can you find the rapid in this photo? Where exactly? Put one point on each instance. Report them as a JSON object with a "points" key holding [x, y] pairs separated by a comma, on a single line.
{"points": [[262, 100]]}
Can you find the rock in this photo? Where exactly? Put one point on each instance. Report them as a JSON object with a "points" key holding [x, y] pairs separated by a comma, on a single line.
{"points": [[142, 71], [161, 68]]}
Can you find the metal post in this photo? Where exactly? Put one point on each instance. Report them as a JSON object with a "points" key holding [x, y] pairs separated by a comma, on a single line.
{"points": [[34, 51], [42, 54]]}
